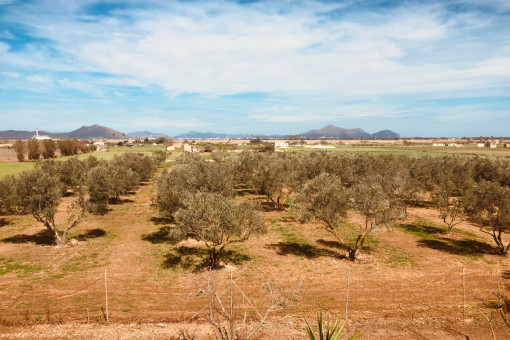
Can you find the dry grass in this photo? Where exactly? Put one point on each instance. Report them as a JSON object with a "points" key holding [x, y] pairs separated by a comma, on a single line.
{"points": [[403, 286]]}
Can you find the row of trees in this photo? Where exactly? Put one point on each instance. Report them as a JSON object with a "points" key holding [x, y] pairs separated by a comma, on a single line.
{"points": [[324, 186], [92, 182], [34, 149]]}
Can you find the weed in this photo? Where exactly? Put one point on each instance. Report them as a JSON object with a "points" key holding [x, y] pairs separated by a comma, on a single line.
{"points": [[23, 270]]}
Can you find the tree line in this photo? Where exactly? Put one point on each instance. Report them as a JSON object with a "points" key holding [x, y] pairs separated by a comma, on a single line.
{"points": [[34, 149], [325, 186], [94, 183]]}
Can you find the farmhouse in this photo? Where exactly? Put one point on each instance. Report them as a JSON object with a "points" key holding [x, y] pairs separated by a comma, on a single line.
{"points": [[100, 146], [281, 144], [189, 148]]}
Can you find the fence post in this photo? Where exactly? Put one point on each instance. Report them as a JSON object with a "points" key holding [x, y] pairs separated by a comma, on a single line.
{"points": [[106, 296], [347, 295], [463, 293]]}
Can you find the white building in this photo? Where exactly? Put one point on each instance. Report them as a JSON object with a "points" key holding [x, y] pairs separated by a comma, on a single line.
{"points": [[281, 144], [189, 148], [101, 146], [40, 137]]}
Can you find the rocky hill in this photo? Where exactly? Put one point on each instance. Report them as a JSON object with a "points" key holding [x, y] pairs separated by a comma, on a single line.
{"points": [[85, 132], [331, 131]]}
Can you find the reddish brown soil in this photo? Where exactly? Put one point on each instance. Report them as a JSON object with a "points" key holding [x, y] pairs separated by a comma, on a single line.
{"points": [[400, 288]]}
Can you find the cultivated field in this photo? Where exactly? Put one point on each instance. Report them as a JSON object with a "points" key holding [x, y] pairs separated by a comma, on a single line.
{"points": [[411, 281]]}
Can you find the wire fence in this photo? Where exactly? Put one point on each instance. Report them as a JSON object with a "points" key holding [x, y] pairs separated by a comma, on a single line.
{"points": [[110, 297]]}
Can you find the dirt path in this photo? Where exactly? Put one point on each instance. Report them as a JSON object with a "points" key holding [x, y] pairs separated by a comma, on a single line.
{"points": [[128, 251]]}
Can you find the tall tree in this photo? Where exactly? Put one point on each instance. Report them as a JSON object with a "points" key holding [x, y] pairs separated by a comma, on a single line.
{"points": [[34, 149], [19, 147], [49, 148]]}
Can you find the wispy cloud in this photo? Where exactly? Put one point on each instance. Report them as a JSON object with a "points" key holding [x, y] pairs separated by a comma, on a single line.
{"points": [[339, 52]]}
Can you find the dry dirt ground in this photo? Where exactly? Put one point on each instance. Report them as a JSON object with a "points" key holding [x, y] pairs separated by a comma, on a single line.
{"points": [[407, 284]]}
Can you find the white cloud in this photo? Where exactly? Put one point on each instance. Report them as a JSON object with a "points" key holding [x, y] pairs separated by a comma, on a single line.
{"points": [[4, 47], [71, 84], [184, 48], [37, 78], [5, 34], [13, 75], [158, 119], [216, 48]]}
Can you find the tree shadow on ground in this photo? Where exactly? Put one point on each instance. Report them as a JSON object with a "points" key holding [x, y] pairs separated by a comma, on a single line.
{"points": [[43, 237], [91, 233], [367, 248], [288, 219], [267, 206], [465, 247], [332, 244], [244, 191], [162, 235], [195, 258], [421, 230], [161, 220], [302, 249], [506, 274], [3, 222], [119, 201]]}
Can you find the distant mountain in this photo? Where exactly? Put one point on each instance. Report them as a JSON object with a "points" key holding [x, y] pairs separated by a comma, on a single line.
{"points": [[85, 132], [331, 131], [210, 135], [385, 134], [14, 134], [145, 134], [95, 131]]}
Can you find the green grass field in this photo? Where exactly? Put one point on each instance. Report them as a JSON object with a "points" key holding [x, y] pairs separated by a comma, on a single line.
{"points": [[12, 168], [412, 151]]}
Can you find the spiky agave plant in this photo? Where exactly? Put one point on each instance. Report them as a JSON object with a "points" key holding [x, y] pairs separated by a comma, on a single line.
{"points": [[327, 331]]}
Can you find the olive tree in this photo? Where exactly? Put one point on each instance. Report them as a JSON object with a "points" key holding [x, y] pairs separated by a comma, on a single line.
{"points": [[73, 173], [488, 204], [7, 195], [38, 194], [376, 207], [217, 221], [325, 199], [451, 209], [272, 178], [189, 175], [99, 186]]}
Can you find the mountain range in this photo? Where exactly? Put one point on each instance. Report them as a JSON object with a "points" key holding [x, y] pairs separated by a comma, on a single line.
{"points": [[101, 132], [145, 134], [85, 132], [331, 131]]}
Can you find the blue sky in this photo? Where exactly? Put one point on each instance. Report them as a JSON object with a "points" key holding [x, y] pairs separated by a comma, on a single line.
{"points": [[420, 68]]}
